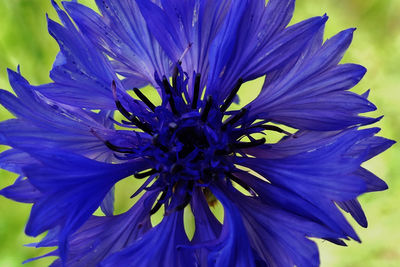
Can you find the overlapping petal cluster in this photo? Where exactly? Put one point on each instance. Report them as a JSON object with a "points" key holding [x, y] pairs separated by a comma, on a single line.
{"points": [[70, 146]]}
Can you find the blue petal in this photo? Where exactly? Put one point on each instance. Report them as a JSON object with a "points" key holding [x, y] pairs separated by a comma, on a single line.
{"points": [[158, 247], [278, 237], [66, 180], [21, 191], [312, 95], [373, 182], [186, 29], [323, 171], [255, 62], [85, 78], [368, 145], [107, 206], [232, 247], [100, 237], [319, 211], [121, 32], [207, 227], [52, 124], [14, 160], [354, 208], [223, 45]]}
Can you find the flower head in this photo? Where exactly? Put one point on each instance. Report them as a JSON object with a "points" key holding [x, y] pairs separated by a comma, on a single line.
{"points": [[193, 149]]}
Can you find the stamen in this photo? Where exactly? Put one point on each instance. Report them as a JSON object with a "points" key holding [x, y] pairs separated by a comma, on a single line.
{"points": [[159, 202], [118, 103], [185, 52], [186, 201], [143, 186], [176, 168], [222, 152], [175, 74], [241, 183], [171, 101], [143, 126], [196, 91], [144, 99], [141, 175], [231, 96], [156, 142], [276, 129], [233, 119], [172, 126], [188, 197], [110, 145], [206, 109], [249, 144], [118, 148]]}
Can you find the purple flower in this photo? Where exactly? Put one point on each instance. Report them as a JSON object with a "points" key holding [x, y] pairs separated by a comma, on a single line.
{"points": [[70, 146]]}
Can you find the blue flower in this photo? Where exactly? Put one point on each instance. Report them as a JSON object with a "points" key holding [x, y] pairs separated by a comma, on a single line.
{"points": [[69, 145]]}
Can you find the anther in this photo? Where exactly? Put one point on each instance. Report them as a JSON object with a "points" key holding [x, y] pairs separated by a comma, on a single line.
{"points": [[276, 129], [110, 145], [207, 107], [172, 126], [188, 197], [231, 96], [167, 88], [141, 175], [241, 183], [185, 52], [118, 103], [176, 168], [175, 74], [254, 143], [157, 143], [159, 202], [186, 201], [233, 119], [118, 148], [144, 99], [196, 91], [143, 126]]}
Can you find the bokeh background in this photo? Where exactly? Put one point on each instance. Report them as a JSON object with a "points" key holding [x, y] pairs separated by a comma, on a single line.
{"points": [[24, 40]]}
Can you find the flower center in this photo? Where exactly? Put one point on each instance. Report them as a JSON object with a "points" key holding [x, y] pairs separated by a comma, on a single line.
{"points": [[190, 141]]}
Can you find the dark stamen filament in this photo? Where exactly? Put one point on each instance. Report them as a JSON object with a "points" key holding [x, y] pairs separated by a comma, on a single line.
{"points": [[176, 168], [196, 91], [188, 197], [233, 119], [240, 182], [144, 99], [158, 144], [231, 96], [159, 202], [110, 145], [171, 101], [275, 129], [174, 76], [143, 126], [206, 109], [141, 175], [117, 148], [186, 201], [249, 144]]}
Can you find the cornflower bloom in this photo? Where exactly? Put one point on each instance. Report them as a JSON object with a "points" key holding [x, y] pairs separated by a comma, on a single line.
{"points": [[194, 150]]}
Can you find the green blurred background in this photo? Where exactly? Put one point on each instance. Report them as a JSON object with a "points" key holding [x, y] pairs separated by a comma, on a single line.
{"points": [[24, 40]]}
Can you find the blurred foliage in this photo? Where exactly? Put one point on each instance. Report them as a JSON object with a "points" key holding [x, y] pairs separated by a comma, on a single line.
{"points": [[24, 40]]}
